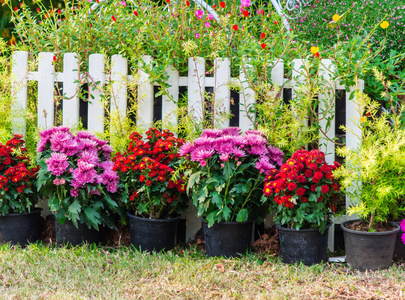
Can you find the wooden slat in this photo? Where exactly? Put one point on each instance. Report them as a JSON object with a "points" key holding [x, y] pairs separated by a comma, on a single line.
{"points": [[70, 89], [19, 90], [145, 97], [327, 109], [46, 86], [222, 93], [196, 88], [169, 104], [247, 98], [95, 118]]}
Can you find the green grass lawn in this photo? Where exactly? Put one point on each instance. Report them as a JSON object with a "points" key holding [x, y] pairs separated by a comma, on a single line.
{"points": [[90, 272]]}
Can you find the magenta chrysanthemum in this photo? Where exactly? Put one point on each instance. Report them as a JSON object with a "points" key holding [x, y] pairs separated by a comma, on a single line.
{"points": [[57, 163]]}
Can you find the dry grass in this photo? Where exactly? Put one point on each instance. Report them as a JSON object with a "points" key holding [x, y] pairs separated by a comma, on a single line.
{"points": [[43, 272]]}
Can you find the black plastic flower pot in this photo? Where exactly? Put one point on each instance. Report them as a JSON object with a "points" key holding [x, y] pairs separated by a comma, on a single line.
{"points": [[369, 250], [228, 239], [305, 245], [399, 251], [21, 228], [153, 234], [68, 234]]}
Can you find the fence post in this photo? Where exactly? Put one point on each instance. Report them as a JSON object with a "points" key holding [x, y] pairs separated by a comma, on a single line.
{"points": [[169, 104], [277, 75], [196, 88], [95, 119], [19, 90], [222, 93], [70, 89], [46, 90], [247, 98], [145, 97]]}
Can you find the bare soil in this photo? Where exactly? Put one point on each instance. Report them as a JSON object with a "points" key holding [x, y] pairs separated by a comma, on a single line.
{"points": [[361, 225]]}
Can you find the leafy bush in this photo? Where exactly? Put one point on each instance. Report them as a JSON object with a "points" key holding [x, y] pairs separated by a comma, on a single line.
{"points": [[17, 178], [77, 175], [227, 173], [146, 170], [304, 191], [374, 173]]}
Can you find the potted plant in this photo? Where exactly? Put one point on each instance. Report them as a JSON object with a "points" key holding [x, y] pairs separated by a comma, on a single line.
{"points": [[77, 175], [374, 179], [226, 180], [154, 198], [20, 221], [305, 195]]}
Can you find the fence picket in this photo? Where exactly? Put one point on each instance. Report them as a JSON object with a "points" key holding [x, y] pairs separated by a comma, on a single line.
{"points": [[46, 86], [222, 93], [19, 90], [327, 103], [95, 118], [247, 98], [70, 89], [119, 75], [145, 97], [196, 88], [169, 106]]}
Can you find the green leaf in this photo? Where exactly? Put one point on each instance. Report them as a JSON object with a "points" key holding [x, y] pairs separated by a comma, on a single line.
{"points": [[211, 218], [242, 215], [110, 202], [73, 211], [92, 217], [226, 212], [194, 178], [313, 197], [240, 188], [216, 199]]}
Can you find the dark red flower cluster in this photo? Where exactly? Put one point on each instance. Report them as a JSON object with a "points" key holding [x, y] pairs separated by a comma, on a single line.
{"points": [[16, 174], [304, 177], [150, 162]]}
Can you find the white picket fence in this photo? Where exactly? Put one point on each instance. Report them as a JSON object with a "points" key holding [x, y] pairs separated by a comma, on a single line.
{"points": [[196, 81]]}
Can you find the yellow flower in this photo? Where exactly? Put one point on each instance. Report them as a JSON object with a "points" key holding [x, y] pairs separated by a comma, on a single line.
{"points": [[314, 50], [336, 18], [384, 25], [363, 119]]}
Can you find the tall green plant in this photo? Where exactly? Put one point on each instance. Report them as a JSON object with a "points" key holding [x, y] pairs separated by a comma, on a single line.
{"points": [[374, 173]]}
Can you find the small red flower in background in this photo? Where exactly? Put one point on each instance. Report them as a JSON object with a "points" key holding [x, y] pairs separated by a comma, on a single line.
{"points": [[263, 45], [136, 13], [15, 8], [245, 13], [38, 9], [188, 3], [262, 35], [222, 4], [168, 1], [54, 58], [275, 22], [235, 27], [113, 18]]}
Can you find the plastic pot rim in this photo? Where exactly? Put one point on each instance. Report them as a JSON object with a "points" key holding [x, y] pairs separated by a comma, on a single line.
{"points": [[33, 211], [302, 229], [367, 232], [229, 222], [153, 220]]}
